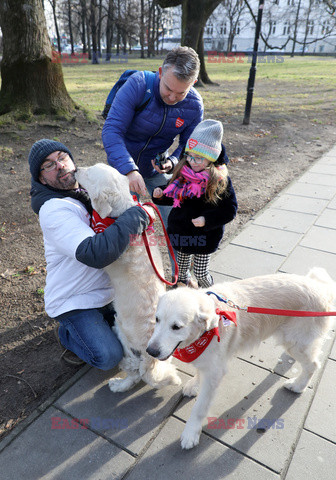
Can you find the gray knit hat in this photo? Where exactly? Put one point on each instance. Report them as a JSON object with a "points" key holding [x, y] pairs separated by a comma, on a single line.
{"points": [[206, 140], [40, 150]]}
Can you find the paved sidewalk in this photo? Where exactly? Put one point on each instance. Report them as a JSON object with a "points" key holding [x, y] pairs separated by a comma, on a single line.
{"points": [[135, 435]]}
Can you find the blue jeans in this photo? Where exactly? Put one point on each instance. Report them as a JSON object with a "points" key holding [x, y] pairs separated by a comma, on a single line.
{"points": [[88, 334]]}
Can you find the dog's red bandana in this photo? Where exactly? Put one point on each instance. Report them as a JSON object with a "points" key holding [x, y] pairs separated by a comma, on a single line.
{"points": [[193, 351], [99, 224]]}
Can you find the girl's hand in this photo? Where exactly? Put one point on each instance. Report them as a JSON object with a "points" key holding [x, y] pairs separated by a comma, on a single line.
{"points": [[158, 192], [198, 222]]}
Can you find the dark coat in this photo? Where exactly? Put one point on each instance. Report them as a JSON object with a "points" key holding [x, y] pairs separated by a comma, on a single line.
{"points": [[187, 238]]}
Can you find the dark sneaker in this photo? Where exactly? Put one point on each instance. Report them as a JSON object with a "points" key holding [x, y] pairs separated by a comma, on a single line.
{"points": [[68, 356]]}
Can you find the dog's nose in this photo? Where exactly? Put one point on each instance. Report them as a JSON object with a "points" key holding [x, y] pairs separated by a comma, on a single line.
{"points": [[153, 352]]}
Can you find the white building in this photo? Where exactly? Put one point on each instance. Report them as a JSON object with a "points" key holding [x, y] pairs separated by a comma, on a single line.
{"points": [[231, 23]]}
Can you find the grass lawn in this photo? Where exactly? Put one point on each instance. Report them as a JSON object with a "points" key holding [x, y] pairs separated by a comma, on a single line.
{"points": [[287, 84]]}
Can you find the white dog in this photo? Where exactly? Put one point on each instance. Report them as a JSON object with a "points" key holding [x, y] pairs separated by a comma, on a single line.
{"points": [[136, 285], [183, 315]]}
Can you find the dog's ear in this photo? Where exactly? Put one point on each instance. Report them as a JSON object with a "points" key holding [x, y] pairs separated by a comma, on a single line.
{"points": [[100, 203], [207, 313]]}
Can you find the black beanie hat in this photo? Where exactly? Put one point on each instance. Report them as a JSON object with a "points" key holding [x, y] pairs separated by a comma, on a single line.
{"points": [[40, 150]]}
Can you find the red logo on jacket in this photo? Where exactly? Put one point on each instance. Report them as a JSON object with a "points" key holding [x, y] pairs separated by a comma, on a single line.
{"points": [[179, 122]]}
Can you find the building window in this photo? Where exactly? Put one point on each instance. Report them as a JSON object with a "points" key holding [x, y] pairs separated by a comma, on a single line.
{"points": [[310, 27], [325, 27], [290, 3], [222, 29], [273, 27], [286, 28], [237, 29], [209, 29]]}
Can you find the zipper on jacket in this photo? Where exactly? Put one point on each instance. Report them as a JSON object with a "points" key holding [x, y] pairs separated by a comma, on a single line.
{"points": [[150, 138]]}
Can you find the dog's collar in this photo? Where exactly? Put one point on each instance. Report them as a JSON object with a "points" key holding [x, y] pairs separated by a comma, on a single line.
{"points": [[99, 224], [193, 351]]}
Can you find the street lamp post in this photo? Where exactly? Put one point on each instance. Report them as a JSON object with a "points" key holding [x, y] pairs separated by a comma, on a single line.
{"points": [[253, 69]]}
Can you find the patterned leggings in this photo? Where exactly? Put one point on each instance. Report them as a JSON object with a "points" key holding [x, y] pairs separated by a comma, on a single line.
{"points": [[201, 268]]}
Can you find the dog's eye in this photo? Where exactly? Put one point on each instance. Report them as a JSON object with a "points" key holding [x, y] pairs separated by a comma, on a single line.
{"points": [[157, 320], [175, 327]]}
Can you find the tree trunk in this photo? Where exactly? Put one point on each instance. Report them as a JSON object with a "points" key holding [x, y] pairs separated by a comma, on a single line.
{"points": [[70, 28], [109, 30], [142, 28], [31, 82], [93, 24], [195, 14], [53, 6], [296, 26]]}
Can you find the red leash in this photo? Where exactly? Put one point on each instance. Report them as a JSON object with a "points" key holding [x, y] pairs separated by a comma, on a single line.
{"points": [[289, 313], [273, 311], [170, 248]]}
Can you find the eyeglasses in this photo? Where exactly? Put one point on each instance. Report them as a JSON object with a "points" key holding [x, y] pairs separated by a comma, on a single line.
{"points": [[196, 160], [52, 164]]}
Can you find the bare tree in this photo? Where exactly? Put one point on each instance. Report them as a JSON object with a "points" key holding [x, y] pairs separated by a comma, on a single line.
{"points": [[53, 4], [195, 14], [31, 82]]}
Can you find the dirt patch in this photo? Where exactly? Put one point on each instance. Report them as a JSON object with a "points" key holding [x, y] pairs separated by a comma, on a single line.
{"points": [[265, 157]]}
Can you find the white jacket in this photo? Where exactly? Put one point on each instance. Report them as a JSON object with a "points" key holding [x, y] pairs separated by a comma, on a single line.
{"points": [[70, 284]]}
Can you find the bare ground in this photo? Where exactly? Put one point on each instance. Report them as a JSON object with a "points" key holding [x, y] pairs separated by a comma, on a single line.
{"points": [[265, 156]]}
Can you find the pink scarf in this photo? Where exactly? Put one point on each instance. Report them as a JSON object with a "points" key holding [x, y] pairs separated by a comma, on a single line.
{"points": [[188, 184]]}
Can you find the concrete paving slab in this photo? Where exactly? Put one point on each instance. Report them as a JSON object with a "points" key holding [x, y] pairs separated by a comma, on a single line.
{"points": [[220, 278], [327, 219], [332, 355], [314, 457], [332, 204], [285, 220], [267, 239], [318, 179], [294, 203], [55, 454], [302, 259], [275, 359], [257, 399], [311, 191], [323, 167], [244, 262], [320, 238], [142, 409], [322, 414], [210, 459]]}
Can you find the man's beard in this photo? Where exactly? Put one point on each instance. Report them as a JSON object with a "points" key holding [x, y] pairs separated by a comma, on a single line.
{"points": [[65, 180]]}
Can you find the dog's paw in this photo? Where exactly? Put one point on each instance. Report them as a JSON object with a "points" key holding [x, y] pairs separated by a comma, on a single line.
{"points": [[191, 388], [294, 386], [118, 384], [190, 438]]}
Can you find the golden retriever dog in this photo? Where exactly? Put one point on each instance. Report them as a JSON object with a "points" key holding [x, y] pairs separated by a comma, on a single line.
{"points": [[183, 315], [136, 286]]}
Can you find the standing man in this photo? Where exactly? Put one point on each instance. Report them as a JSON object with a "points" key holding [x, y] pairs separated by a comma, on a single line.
{"points": [[78, 291], [133, 138]]}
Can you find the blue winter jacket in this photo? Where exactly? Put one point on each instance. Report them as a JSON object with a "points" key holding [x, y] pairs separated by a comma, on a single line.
{"points": [[132, 140]]}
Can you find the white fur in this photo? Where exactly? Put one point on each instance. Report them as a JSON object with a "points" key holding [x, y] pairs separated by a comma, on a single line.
{"points": [[184, 314], [136, 285]]}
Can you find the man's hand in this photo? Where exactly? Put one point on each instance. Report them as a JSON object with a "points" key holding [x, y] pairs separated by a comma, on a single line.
{"points": [[198, 222], [168, 165], [136, 183]]}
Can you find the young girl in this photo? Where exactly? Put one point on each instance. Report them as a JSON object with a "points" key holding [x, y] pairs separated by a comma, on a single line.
{"points": [[203, 201]]}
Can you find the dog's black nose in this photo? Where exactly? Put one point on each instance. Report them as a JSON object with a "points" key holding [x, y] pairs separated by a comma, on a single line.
{"points": [[153, 352]]}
